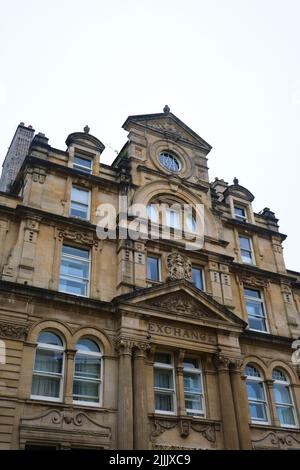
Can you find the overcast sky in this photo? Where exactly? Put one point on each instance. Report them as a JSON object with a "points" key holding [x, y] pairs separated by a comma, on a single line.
{"points": [[229, 69]]}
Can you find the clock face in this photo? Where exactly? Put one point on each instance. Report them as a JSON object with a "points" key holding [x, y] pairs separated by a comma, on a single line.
{"points": [[169, 161]]}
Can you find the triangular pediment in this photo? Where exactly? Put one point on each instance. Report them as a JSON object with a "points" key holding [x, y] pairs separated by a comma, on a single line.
{"points": [[182, 299], [168, 125]]}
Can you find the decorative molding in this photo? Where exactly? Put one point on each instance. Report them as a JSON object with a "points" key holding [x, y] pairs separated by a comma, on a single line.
{"points": [[185, 425], [181, 303], [126, 345], [221, 362], [8, 330], [179, 266], [277, 440], [66, 425], [160, 426], [38, 174], [165, 447], [253, 281], [79, 237]]}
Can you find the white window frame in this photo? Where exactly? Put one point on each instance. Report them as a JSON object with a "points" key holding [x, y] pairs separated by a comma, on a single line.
{"points": [[100, 380], [89, 261], [178, 212], [152, 208], [171, 367], [261, 301], [50, 347], [259, 379], [159, 268], [80, 203], [240, 217], [195, 371], [83, 168], [251, 251], [287, 384], [200, 268], [170, 156]]}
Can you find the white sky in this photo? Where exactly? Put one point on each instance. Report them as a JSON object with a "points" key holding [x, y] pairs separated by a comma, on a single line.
{"points": [[229, 69]]}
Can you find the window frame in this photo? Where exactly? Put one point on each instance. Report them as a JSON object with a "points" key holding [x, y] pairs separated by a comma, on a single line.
{"points": [[89, 260], [239, 217], [196, 371], [261, 302], [171, 367], [286, 383], [251, 250], [100, 380], [82, 168], [80, 188], [152, 208], [50, 347], [261, 380], [201, 269], [158, 258], [173, 157], [178, 212]]}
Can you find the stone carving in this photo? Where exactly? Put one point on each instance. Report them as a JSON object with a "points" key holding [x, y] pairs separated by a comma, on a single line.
{"points": [[64, 426], [179, 266], [79, 237], [125, 345], [254, 281], [181, 303], [162, 447], [12, 331], [221, 361], [277, 440], [185, 425], [160, 426], [207, 430]]}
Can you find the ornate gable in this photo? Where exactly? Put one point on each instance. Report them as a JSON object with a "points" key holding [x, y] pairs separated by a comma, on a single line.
{"points": [[168, 125], [181, 298], [182, 304]]}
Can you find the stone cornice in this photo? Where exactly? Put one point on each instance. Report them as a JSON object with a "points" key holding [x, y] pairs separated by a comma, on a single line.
{"points": [[47, 295], [31, 161], [266, 338], [246, 269], [254, 228]]}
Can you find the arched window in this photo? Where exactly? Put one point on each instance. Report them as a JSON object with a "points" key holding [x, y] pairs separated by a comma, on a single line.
{"points": [[153, 213], [48, 367], [256, 395], [283, 399], [87, 372], [169, 161]]}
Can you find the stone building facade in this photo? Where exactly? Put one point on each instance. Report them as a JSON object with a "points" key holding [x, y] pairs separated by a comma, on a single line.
{"points": [[143, 343]]}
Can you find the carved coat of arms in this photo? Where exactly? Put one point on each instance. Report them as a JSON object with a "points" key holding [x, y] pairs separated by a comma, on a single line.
{"points": [[179, 267]]}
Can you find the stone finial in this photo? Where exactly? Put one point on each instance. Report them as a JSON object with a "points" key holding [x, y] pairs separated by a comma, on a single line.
{"points": [[86, 129], [166, 109], [235, 181]]}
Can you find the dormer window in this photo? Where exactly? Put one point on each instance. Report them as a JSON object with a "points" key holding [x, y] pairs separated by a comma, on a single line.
{"points": [[240, 213], [83, 164], [169, 161]]}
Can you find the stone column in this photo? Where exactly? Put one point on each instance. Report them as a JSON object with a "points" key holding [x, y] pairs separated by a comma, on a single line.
{"points": [[270, 399], [125, 402], [180, 384], [69, 375], [230, 432], [140, 402], [240, 400]]}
